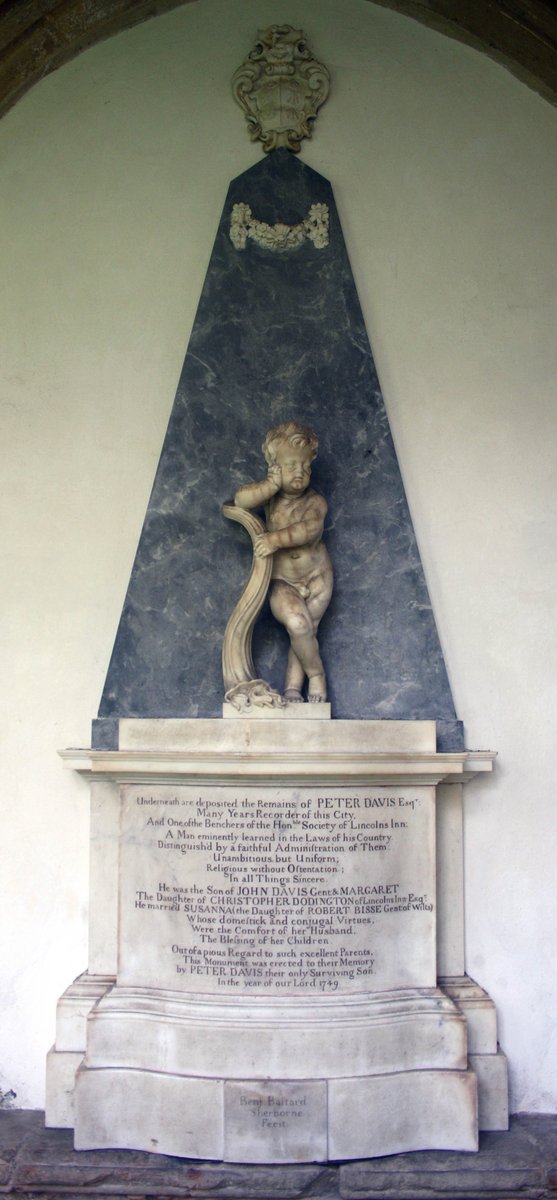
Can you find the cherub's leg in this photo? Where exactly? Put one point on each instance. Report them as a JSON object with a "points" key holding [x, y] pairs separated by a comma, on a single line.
{"points": [[317, 685], [294, 679], [306, 649], [317, 688], [317, 604], [292, 611]]}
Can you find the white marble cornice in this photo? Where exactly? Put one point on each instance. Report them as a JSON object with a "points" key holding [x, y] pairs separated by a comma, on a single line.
{"points": [[285, 767], [286, 751]]}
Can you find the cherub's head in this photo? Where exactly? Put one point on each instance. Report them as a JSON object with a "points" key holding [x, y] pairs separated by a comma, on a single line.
{"points": [[290, 434], [293, 447]]}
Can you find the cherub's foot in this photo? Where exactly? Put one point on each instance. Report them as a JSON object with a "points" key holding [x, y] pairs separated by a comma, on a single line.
{"points": [[317, 689], [293, 696]]}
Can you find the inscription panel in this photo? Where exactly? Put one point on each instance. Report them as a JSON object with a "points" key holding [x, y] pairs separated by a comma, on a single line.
{"points": [[277, 890], [275, 1121]]}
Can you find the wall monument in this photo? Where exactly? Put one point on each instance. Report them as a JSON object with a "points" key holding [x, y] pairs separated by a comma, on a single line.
{"points": [[276, 957]]}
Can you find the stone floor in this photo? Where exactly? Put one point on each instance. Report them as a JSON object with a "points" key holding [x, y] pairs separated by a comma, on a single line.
{"points": [[37, 1163]]}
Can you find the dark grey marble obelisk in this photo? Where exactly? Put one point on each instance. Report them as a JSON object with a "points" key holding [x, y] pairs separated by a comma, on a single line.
{"points": [[278, 336]]}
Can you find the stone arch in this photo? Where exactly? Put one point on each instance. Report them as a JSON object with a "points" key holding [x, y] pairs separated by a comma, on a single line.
{"points": [[38, 36]]}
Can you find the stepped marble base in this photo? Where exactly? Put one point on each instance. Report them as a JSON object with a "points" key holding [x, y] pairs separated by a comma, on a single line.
{"points": [[276, 947], [224, 1083], [276, 1080], [276, 1121]]}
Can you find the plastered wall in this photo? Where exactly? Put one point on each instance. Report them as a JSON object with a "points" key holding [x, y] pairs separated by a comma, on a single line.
{"points": [[113, 172]]}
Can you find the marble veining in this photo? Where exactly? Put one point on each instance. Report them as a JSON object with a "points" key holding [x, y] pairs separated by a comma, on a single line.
{"points": [[278, 337]]}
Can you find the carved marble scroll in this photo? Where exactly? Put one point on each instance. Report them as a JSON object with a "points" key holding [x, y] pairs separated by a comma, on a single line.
{"points": [[280, 87], [242, 689], [314, 228]]}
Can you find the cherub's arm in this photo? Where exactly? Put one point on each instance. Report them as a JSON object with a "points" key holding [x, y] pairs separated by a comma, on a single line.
{"points": [[251, 495], [299, 534]]}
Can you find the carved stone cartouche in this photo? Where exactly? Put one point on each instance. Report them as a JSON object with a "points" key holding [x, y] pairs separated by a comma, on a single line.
{"points": [[280, 87]]}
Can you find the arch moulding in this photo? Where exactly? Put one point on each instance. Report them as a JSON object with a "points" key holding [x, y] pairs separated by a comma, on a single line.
{"points": [[37, 36]]}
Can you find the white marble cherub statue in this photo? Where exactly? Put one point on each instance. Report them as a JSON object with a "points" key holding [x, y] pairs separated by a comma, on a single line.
{"points": [[302, 574]]}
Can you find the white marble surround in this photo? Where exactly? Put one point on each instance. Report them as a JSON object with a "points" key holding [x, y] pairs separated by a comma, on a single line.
{"points": [[217, 1042]]}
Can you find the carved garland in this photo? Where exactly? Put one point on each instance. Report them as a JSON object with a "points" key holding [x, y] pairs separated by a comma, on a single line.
{"points": [[315, 228]]}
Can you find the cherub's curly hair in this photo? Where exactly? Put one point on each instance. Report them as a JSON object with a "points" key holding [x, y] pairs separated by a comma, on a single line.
{"points": [[291, 433]]}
